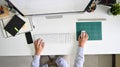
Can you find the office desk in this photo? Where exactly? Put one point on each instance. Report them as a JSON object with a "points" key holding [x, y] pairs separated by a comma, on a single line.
{"points": [[16, 46]]}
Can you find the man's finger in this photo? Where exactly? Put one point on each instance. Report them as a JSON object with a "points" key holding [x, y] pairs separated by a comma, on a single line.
{"points": [[79, 37], [35, 42], [86, 36], [43, 44], [40, 41], [82, 34]]}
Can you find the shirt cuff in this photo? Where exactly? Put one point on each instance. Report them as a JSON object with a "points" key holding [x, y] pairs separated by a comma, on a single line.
{"points": [[36, 57], [35, 62], [81, 50]]}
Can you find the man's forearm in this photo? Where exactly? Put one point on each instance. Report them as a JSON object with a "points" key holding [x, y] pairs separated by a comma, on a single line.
{"points": [[35, 62], [80, 58]]}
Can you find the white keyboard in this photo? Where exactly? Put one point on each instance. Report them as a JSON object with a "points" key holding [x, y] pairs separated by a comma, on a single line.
{"points": [[55, 37]]}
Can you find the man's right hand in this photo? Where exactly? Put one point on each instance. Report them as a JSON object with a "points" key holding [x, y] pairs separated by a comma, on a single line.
{"points": [[82, 40]]}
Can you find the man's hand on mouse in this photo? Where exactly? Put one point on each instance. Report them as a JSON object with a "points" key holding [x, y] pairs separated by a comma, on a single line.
{"points": [[82, 39], [39, 46]]}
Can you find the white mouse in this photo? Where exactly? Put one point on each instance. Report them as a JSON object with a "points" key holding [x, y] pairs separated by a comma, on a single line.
{"points": [[83, 31]]}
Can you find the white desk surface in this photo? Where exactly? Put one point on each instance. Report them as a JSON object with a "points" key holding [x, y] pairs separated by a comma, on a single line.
{"points": [[110, 43]]}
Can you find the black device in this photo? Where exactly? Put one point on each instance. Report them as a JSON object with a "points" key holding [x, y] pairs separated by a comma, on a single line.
{"points": [[1, 10], [14, 25], [107, 2], [29, 37], [13, 6]]}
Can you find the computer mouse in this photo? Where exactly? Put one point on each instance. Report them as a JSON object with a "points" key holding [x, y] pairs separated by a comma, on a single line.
{"points": [[82, 32]]}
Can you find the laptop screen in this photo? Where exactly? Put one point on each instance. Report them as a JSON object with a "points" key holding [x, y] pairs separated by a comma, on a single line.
{"points": [[31, 7]]}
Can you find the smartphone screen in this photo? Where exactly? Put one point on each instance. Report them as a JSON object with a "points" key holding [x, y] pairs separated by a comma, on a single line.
{"points": [[29, 37]]}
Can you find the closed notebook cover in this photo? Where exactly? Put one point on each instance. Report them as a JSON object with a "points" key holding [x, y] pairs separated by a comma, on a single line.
{"points": [[14, 25]]}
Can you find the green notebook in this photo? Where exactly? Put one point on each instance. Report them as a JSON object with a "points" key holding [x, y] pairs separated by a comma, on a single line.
{"points": [[93, 29]]}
